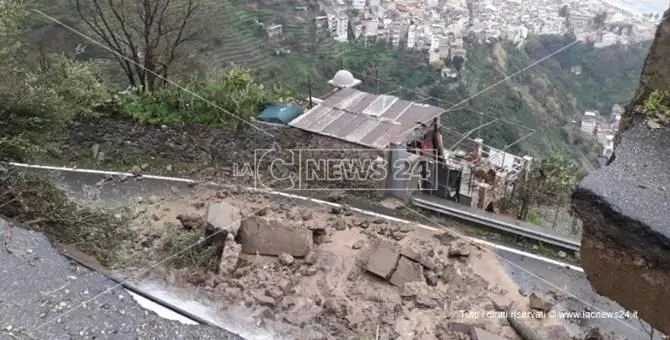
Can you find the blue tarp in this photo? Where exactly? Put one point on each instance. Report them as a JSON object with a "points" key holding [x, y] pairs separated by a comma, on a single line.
{"points": [[281, 113]]}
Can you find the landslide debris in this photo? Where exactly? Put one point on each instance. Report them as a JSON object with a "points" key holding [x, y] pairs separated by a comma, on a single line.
{"points": [[315, 272]]}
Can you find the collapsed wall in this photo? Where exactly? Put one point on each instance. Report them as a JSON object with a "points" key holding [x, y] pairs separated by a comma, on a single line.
{"points": [[625, 206]]}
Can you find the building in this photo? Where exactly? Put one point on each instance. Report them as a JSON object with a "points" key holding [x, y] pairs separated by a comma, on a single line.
{"points": [[338, 26], [358, 4], [469, 172], [411, 36], [589, 122]]}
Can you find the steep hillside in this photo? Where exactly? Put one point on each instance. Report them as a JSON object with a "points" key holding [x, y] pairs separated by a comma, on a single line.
{"points": [[546, 97]]}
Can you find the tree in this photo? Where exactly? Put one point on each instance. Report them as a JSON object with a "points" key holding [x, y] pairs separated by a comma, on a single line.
{"points": [[145, 36], [550, 182], [34, 100]]}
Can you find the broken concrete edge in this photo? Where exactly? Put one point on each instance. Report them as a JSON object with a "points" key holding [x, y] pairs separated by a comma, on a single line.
{"points": [[623, 231], [654, 75]]}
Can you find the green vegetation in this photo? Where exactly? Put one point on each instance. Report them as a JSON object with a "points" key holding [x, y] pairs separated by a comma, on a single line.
{"points": [[550, 183], [230, 98], [656, 109]]}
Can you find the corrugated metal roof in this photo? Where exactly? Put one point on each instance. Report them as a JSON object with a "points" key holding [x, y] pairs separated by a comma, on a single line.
{"points": [[366, 119]]}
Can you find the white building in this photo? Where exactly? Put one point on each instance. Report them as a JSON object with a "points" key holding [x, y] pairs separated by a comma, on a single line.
{"points": [[338, 27], [608, 146], [411, 36], [552, 27], [358, 4], [589, 122]]}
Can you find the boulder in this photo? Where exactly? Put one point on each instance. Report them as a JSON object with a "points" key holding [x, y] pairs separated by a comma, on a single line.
{"points": [[406, 271], [541, 303], [383, 260], [229, 256], [223, 216], [271, 237]]}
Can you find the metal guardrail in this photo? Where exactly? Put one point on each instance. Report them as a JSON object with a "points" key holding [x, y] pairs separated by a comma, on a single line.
{"points": [[561, 242]]}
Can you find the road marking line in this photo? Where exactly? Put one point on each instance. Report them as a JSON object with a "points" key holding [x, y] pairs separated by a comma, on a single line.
{"points": [[309, 199]]}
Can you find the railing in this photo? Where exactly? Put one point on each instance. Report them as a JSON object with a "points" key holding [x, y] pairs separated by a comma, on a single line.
{"points": [[481, 219]]}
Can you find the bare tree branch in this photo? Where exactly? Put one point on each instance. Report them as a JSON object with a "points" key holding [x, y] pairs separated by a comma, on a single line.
{"points": [[151, 33]]}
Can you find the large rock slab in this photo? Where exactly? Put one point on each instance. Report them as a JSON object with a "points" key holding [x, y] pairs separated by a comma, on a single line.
{"points": [[223, 216], [407, 271], [625, 206], [383, 260], [271, 237]]}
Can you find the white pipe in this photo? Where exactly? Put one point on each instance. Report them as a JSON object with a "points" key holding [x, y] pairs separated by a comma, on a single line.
{"points": [[309, 199]]}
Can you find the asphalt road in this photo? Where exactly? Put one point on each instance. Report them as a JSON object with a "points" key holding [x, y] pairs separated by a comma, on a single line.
{"points": [[530, 274], [39, 290]]}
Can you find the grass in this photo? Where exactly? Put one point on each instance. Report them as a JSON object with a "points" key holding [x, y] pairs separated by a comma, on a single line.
{"points": [[656, 109]]}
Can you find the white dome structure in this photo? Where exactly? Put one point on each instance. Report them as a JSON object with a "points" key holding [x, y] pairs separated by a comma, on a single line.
{"points": [[344, 79]]}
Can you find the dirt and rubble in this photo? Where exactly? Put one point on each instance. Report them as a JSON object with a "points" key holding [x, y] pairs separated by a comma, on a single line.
{"points": [[319, 272]]}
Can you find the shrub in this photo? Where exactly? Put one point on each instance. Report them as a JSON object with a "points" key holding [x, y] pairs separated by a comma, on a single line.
{"points": [[211, 102]]}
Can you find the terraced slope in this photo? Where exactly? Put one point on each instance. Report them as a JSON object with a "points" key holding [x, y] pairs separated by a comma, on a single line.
{"points": [[240, 40]]}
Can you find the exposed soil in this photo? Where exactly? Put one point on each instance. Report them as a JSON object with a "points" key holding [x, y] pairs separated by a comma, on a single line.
{"points": [[330, 293]]}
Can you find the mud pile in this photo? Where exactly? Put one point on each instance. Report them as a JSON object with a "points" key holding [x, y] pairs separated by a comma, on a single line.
{"points": [[316, 272]]}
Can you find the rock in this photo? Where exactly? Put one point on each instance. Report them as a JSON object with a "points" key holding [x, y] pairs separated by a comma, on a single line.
{"points": [[274, 238], [477, 333], [425, 301], [383, 260], [310, 258], [309, 271], [554, 332], [458, 249], [95, 149], [406, 271], [223, 216], [540, 303], [274, 292], [262, 212], [398, 236], [340, 224], [285, 259], [190, 222], [335, 196], [358, 244], [284, 285], [594, 334], [230, 256], [265, 300], [336, 210], [562, 254], [431, 278], [364, 224], [307, 216]]}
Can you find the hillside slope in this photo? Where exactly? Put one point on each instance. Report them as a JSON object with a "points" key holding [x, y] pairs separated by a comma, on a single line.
{"points": [[546, 97]]}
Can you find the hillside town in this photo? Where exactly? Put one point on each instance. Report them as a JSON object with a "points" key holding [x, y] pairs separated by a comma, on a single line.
{"points": [[602, 127], [440, 27]]}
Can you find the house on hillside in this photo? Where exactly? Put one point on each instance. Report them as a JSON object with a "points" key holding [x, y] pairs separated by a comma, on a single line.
{"points": [[589, 122], [413, 143]]}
